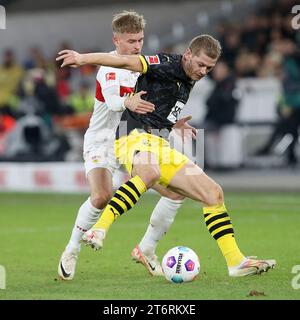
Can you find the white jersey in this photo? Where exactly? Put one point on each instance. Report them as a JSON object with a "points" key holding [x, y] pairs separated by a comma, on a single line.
{"points": [[112, 87]]}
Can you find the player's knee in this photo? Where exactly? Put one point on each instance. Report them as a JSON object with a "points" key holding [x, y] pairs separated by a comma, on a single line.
{"points": [[149, 174], [214, 196], [100, 201]]}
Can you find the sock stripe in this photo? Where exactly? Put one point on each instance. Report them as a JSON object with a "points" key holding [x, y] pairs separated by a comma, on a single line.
{"points": [[133, 187], [216, 217], [122, 199], [218, 221], [128, 189], [120, 203], [122, 194], [128, 194], [218, 225], [223, 232], [117, 207]]}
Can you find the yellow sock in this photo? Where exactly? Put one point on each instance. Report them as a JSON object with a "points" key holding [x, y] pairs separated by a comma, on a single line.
{"points": [[123, 200], [219, 225]]}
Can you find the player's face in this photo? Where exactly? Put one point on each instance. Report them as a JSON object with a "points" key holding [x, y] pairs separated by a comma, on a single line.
{"points": [[197, 66], [129, 43]]}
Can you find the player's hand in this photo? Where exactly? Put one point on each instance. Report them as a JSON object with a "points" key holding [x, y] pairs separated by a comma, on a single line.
{"points": [[185, 130], [70, 58], [136, 104]]}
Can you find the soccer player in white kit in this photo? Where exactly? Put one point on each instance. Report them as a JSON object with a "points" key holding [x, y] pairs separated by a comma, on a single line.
{"points": [[113, 89]]}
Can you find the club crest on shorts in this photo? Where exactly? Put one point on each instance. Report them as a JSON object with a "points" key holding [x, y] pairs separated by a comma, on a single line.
{"points": [[96, 159]]}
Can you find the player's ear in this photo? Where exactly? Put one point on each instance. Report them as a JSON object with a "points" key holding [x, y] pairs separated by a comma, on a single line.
{"points": [[187, 54], [115, 40]]}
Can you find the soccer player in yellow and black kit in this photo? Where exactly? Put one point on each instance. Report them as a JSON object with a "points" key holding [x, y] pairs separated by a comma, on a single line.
{"points": [[168, 80]]}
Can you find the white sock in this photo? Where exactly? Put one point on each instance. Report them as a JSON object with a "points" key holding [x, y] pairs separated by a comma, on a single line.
{"points": [[87, 216], [160, 221]]}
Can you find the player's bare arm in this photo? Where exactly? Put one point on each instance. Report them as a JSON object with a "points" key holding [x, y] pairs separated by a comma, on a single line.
{"points": [[74, 59]]}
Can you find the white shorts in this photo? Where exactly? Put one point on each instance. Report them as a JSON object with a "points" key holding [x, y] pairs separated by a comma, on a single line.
{"points": [[100, 156]]}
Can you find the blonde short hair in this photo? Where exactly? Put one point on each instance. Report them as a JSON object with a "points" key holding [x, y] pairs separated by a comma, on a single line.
{"points": [[206, 43], [128, 22]]}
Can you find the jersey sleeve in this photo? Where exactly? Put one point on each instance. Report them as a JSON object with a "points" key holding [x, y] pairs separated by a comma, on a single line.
{"points": [[158, 66], [108, 77], [109, 81]]}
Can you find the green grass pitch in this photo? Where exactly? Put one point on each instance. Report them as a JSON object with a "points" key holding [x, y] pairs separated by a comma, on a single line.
{"points": [[35, 228]]}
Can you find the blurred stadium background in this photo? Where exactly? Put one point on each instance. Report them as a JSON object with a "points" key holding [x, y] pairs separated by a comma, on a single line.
{"points": [[249, 106]]}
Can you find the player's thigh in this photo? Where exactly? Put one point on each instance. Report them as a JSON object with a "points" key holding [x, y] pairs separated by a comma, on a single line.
{"points": [[146, 165], [165, 192], [137, 151], [193, 183], [100, 165]]}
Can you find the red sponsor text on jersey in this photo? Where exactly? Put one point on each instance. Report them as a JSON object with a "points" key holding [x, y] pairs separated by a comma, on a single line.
{"points": [[153, 59], [110, 76], [123, 91]]}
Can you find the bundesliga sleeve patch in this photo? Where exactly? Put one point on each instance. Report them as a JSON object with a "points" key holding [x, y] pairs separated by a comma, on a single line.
{"points": [[152, 59], [110, 76]]}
